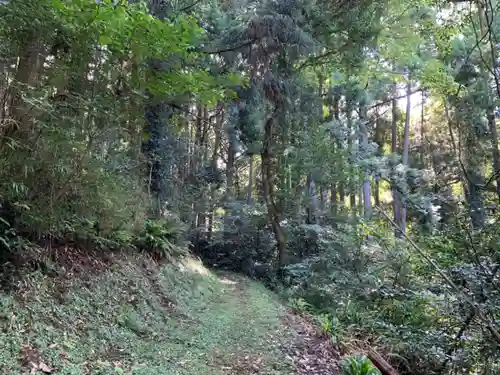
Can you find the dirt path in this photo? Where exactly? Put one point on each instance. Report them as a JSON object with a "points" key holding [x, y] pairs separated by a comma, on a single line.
{"points": [[140, 319], [312, 353], [292, 346]]}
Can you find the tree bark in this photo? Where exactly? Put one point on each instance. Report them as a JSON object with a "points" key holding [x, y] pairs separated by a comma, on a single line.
{"points": [[267, 185], [384, 366], [250, 180], [337, 143], [27, 74], [230, 170], [406, 147], [422, 132], [213, 162], [312, 200], [491, 112], [367, 203], [394, 150], [352, 188], [230, 178], [376, 193]]}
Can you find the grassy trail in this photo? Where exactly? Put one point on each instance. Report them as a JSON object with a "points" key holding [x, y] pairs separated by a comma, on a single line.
{"points": [[136, 318], [243, 331]]}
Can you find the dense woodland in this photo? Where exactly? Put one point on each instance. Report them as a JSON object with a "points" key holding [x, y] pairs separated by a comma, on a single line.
{"points": [[343, 152]]}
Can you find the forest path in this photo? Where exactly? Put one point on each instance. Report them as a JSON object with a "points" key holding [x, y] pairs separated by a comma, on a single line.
{"points": [[267, 337], [134, 317]]}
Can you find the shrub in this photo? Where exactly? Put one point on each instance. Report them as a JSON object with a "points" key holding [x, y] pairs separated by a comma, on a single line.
{"points": [[381, 288], [163, 238]]}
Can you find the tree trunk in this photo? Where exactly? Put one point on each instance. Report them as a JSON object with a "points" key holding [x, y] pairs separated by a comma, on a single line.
{"points": [[496, 154], [474, 179], [322, 197], [491, 111], [205, 135], [157, 113], [230, 171], [364, 151], [198, 139], [473, 164], [333, 197], [352, 188], [394, 150], [422, 132], [230, 177], [267, 185], [203, 157], [406, 147], [379, 140], [250, 180], [219, 117], [376, 193], [336, 114], [27, 75], [312, 200]]}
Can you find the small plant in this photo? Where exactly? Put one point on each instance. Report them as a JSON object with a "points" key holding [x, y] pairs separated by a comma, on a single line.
{"points": [[330, 326], [300, 305], [159, 237], [359, 365], [326, 323]]}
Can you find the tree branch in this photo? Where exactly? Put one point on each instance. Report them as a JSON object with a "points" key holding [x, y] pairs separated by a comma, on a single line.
{"points": [[394, 98], [231, 49], [188, 7], [311, 61]]}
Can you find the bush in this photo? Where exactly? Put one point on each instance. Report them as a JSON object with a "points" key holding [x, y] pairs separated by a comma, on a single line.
{"points": [[163, 238], [382, 288]]}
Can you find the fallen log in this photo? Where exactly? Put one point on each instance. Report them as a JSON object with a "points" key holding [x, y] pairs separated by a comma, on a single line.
{"points": [[380, 363]]}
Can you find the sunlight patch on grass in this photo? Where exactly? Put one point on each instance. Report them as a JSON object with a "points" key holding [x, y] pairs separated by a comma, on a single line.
{"points": [[227, 281], [195, 266]]}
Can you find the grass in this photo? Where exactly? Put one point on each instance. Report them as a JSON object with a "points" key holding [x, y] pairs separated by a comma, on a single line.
{"points": [[137, 318]]}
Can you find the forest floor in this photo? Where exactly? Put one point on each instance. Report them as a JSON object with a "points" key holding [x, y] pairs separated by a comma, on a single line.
{"points": [[129, 316]]}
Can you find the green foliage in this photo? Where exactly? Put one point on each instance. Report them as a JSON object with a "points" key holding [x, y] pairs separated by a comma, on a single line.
{"points": [[331, 327], [300, 305], [162, 238], [106, 104], [73, 165], [435, 77], [379, 288], [358, 365]]}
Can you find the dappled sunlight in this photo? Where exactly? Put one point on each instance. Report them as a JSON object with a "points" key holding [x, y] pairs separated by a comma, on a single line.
{"points": [[195, 266], [228, 281]]}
